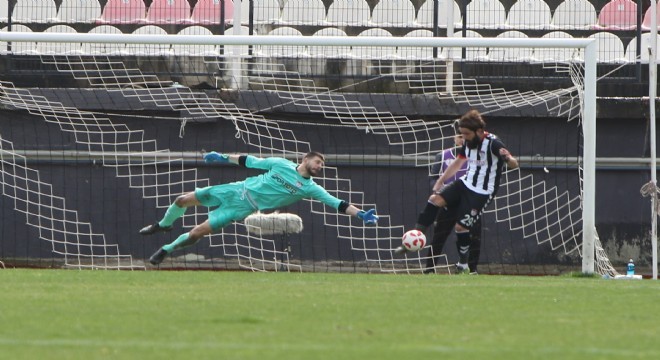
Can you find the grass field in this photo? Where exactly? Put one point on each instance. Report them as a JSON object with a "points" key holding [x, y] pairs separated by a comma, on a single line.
{"points": [[68, 314]]}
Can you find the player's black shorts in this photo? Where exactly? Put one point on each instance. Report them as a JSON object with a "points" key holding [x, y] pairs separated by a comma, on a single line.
{"points": [[468, 204]]}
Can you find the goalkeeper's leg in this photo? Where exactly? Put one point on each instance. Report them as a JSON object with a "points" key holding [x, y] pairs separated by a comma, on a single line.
{"points": [[218, 219], [175, 211], [184, 240]]}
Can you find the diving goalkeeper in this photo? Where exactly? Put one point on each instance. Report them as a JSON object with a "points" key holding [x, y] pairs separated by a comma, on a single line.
{"points": [[283, 183]]}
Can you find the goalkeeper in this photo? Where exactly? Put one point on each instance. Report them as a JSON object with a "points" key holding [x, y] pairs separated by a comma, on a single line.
{"points": [[283, 183]]}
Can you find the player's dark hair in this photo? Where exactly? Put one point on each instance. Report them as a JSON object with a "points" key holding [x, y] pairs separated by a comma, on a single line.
{"points": [[312, 154], [472, 120]]}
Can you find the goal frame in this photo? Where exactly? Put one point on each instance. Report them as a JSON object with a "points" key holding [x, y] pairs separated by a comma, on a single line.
{"points": [[588, 102]]}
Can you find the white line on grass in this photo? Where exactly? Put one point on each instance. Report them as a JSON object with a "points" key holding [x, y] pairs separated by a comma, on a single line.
{"points": [[319, 347], [151, 344]]}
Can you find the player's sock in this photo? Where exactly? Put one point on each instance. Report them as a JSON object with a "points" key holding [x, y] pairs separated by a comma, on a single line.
{"points": [[180, 242], [475, 251], [426, 217], [463, 246], [173, 212]]}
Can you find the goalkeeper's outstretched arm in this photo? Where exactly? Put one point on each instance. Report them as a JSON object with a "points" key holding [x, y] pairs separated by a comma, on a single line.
{"points": [[214, 157], [369, 216]]}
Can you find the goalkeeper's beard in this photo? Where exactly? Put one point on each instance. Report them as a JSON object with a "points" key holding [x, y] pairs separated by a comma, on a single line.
{"points": [[312, 171]]}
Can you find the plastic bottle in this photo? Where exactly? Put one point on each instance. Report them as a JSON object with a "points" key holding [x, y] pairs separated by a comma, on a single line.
{"points": [[630, 269]]}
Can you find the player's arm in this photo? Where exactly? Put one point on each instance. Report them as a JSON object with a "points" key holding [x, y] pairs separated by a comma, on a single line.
{"points": [[452, 169], [369, 216], [500, 150], [511, 162]]}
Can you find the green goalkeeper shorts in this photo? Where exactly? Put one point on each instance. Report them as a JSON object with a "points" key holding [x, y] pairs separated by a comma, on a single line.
{"points": [[232, 201]]}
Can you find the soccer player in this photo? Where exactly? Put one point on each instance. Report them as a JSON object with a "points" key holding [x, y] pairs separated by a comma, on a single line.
{"points": [[486, 156], [283, 183], [446, 218]]}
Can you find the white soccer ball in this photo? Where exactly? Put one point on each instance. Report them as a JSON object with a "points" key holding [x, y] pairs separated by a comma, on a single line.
{"points": [[413, 240]]}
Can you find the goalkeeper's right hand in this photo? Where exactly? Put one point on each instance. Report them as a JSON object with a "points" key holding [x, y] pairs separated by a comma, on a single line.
{"points": [[214, 157], [369, 217]]}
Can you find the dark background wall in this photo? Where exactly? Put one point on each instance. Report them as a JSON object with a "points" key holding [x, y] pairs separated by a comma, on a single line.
{"points": [[399, 190]]}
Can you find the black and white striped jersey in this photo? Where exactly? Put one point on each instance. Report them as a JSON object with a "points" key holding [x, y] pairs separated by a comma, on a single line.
{"points": [[484, 165]]}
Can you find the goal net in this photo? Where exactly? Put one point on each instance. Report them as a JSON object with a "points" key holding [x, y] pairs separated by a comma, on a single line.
{"points": [[103, 132]]}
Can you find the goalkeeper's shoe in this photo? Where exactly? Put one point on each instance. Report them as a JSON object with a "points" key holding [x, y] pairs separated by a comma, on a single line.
{"points": [[158, 257], [400, 250], [462, 268], [153, 228]]}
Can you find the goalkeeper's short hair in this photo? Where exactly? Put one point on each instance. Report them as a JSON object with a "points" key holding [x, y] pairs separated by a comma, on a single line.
{"points": [[312, 154]]}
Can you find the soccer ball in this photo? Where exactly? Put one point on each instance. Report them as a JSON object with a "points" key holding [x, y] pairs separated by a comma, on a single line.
{"points": [[413, 240]]}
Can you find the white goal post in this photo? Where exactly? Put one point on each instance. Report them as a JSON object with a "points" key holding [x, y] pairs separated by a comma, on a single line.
{"points": [[588, 101]]}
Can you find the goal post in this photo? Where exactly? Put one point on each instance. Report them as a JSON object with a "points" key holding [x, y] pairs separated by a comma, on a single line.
{"points": [[589, 118], [235, 62]]}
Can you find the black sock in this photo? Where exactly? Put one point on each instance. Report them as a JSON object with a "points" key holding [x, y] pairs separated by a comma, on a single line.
{"points": [[427, 217], [463, 246], [475, 251]]}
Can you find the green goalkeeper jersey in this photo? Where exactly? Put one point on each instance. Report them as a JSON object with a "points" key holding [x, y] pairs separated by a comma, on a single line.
{"points": [[282, 185]]}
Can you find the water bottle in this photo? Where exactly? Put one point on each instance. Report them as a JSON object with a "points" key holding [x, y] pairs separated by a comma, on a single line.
{"points": [[630, 269]]}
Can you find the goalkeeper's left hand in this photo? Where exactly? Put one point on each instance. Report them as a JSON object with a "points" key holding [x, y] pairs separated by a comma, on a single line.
{"points": [[213, 156], [369, 217]]}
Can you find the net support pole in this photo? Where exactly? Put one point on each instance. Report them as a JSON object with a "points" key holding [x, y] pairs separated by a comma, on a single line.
{"points": [[653, 83], [589, 192], [449, 16], [235, 63]]}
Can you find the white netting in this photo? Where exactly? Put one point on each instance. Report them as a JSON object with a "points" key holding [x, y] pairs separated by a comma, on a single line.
{"points": [[159, 174], [56, 223], [554, 218]]}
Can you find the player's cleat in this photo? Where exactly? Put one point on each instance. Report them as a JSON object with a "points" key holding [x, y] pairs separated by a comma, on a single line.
{"points": [[158, 257], [153, 228], [429, 270], [462, 268], [400, 250]]}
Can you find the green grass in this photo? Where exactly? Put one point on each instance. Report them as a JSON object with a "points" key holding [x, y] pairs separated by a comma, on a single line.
{"points": [[64, 314]]}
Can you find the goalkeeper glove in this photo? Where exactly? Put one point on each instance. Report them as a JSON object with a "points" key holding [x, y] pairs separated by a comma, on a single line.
{"points": [[369, 217], [213, 156]]}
